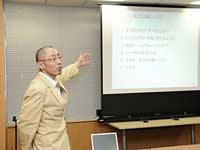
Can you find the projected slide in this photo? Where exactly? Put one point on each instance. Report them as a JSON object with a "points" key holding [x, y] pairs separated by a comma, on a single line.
{"points": [[150, 49]]}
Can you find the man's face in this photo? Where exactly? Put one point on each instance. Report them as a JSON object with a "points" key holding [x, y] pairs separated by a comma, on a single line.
{"points": [[51, 62]]}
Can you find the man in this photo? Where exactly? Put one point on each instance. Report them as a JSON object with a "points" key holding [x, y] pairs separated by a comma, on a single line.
{"points": [[41, 123]]}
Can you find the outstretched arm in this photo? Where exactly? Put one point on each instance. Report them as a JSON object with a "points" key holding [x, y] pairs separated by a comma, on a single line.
{"points": [[73, 69]]}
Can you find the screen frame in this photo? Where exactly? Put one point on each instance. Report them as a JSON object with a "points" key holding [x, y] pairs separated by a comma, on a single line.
{"points": [[179, 103]]}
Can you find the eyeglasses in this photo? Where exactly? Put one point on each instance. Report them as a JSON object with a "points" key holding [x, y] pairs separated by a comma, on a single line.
{"points": [[53, 59]]}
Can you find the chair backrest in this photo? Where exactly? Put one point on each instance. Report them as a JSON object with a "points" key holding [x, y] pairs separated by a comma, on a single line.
{"points": [[104, 141]]}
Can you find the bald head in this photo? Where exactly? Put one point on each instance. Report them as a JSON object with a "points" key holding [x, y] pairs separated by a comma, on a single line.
{"points": [[41, 52]]}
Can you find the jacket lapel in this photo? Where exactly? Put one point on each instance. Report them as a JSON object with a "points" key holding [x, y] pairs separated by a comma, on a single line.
{"points": [[60, 98], [63, 90]]}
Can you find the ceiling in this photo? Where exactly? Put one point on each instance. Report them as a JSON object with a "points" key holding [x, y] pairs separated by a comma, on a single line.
{"points": [[94, 3]]}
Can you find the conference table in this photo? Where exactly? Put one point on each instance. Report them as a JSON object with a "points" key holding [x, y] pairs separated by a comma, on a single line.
{"points": [[182, 147], [155, 123]]}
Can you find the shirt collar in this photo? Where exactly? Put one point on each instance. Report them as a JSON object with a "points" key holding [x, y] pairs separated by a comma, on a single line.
{"points": [[53, 82]]}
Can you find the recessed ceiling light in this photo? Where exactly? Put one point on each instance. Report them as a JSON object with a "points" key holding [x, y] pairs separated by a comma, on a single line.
{"points": [[116, 0], [195, 3]]}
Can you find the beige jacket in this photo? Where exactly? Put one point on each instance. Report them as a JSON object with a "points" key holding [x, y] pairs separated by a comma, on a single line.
{"points": [[41, 124]]}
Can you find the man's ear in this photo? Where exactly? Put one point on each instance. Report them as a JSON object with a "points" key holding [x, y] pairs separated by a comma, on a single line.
{"points": [[40, 65]]}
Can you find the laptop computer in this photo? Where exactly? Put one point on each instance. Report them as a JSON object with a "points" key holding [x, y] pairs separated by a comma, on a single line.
{"points": [[104, 141]]}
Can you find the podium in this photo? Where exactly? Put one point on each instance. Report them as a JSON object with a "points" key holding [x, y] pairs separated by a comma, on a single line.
{"points": [[155, 123]]}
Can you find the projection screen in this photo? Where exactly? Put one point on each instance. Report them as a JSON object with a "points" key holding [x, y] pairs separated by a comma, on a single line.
{"points": [[149, 49], [150, 61]]}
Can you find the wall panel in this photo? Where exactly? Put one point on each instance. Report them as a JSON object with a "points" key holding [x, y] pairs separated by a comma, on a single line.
{"points": [[2, 96], [69, 29], [79, 134]]}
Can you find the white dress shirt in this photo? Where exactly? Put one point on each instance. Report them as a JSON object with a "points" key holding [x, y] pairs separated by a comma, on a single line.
{"points": [[54, 83]]}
